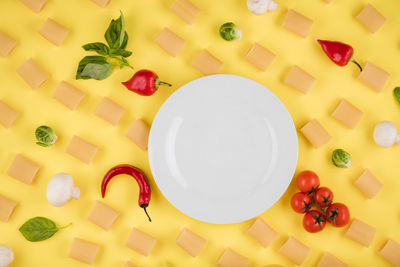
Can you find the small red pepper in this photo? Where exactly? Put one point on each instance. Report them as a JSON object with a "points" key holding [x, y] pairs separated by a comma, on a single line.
{"points": [[339, 53], [144, 82], [138, 175]]}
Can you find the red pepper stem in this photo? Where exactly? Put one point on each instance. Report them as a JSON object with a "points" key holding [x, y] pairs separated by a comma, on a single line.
{"points": [[164, 83], [358, 65], [144, 206]]}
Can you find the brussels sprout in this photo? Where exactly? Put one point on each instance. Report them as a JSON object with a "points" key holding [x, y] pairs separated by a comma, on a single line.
{"points": [[341, 158], [396, 94], [230, 32], [45, 136]]}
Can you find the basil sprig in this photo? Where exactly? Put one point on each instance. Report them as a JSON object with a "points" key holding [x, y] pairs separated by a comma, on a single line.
{"points": [[111, 54], [39, 229]]}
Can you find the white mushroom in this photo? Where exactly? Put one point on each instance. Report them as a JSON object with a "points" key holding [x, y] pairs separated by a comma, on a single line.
{"points": [[61, 189], [259, 7], [385, 134], [6, 256]]}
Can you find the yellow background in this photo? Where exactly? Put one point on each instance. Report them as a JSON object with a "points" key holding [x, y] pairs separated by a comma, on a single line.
{"points": [[144, 20]]}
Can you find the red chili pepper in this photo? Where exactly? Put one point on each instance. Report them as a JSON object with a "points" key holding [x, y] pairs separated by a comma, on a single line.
{"points": [[138, 175], [339, 53], [144, 82]]}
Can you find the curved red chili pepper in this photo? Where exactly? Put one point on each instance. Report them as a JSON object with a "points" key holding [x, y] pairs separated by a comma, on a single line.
{"points": [[341, 54], [138, 175]]}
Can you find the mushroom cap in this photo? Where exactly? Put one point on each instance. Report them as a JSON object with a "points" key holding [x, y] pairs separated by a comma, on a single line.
{"points": [[59, 189], [257, 7], [6, 256], [385, 134]]}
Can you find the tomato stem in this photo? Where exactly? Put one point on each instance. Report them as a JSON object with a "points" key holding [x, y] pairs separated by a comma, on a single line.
{"points": [[322, 210]]}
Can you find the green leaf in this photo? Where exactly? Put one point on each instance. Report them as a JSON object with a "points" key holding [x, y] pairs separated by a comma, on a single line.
{"points": [[125, 41], [38, 229], [120, 52], [122, 35], [97, 47], [97, 71], [86, 60], [123, 63], [115, 34], [396, 93]]}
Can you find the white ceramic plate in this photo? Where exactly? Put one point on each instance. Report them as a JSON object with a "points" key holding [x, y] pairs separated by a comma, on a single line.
{"points": [[223, 149]]}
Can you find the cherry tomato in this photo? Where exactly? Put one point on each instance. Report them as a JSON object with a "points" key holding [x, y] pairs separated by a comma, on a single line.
{"points": [[323, 196], [338, 214], [313, 221], [307, 181], [301, 202]]}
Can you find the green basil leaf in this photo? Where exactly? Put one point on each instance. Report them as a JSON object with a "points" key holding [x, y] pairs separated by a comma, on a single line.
{"points": [[116, 35], [122, 35], [396, 93], [97, 71], [38, 229], [120, 52], [97, 47], [86, 60], [125, 41]]}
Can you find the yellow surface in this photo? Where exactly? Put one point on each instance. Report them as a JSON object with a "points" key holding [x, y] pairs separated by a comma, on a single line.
{"points": [[144, 20]]}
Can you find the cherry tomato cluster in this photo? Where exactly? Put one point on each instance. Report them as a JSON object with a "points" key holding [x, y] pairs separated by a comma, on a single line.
{"points": [[321, 198]]}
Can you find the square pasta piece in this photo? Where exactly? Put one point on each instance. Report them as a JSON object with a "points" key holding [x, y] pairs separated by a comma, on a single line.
{"points": [[361, 232], [260, 56], [83, 251], [231, 258], [262, 232], [299, 80], [23, 169], [81, 149], [54, 32], [329, 260], [101, 3], [297, 23], [34, 5], [368, 184], [7, 207], [170, 42], [191, 242], [140, 242], [347, 114], [391, 252], [32, 74], [7, 115], [294, 250], [185, 10], [371, 18], [206, 63], [129, 264], [315, 133], [68, 95], [109, 111], [373, 77], [7, 44], [139, 134], [103, 215]]}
